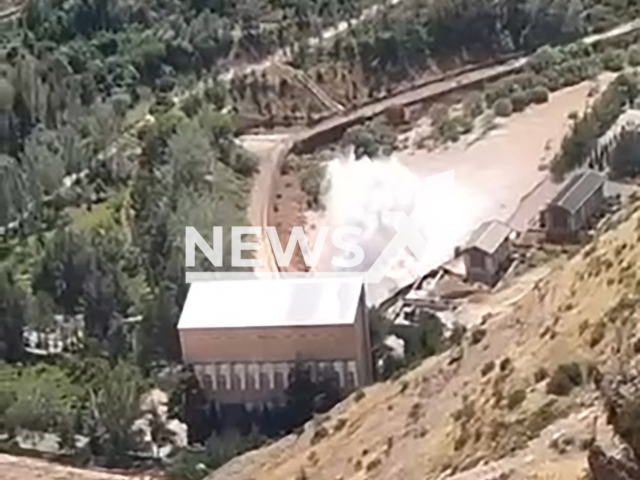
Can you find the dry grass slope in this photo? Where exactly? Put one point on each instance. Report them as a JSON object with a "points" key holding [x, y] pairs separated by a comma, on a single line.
{"points": [[505, 404]]}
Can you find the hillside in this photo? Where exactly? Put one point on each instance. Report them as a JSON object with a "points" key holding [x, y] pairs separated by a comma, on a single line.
{"points": [[23, 468], [484, 410]]}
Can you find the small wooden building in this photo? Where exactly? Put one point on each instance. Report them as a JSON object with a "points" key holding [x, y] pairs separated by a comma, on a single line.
{"points": [[575, 208], [486, 254]]}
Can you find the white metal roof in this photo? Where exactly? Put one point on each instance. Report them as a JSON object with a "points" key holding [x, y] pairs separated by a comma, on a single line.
{"points": [[271, 302], [488, 236]]}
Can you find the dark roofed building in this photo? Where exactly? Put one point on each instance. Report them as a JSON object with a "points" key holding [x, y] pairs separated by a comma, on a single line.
{"points": [[576, 206], [487, 252]]}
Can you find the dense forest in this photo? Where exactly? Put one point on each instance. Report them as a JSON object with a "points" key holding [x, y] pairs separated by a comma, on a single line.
{"points": [[105, 156], [415, 35]]}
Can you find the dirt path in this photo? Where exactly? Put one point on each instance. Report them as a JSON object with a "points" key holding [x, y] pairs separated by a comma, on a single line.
{"points": [[24, 468], [269, 149]]}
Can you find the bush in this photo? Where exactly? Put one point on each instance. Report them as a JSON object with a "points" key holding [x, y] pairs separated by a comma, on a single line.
{"points": [[613, 60], [192, 105], [598, 333], [503, 107], [544, 58], [515, 398], [519, 101], [477, 335], [487, 368], [564, 379], [539, 94], [192, 464], [244, 163], [372, 139], [319, 434], [633, 55], [463, 123], [540, 375], [438, 113], [473, 105], [311, 182]]}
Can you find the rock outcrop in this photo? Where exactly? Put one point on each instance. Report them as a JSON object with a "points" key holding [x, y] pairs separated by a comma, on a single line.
{"points": [[621, 394], [619, 466]]}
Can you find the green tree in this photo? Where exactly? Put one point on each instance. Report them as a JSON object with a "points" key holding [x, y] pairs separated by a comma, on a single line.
{"points": [[42, 156], [13, 317], [114, 407], [15, 191]]}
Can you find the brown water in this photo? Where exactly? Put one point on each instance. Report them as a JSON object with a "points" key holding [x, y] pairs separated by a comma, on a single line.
{"points": [[492, 174]]}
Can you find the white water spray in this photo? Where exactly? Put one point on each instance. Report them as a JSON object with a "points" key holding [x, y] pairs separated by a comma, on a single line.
{"points": [[361, 192]]}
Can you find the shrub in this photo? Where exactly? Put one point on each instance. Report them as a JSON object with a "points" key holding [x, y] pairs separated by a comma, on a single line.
{"points": [[613, 60], [372, 139], [505, 365], [519, 101], [473, 105], [192, 105], [539, 94], [544, 58], [625, 416], [633, 55], [320, 433], [540, 375], [358, 395], [564, 379], [311, 183], [340, 424], [477, 335], [597, 333], [515, 398], [438, 113], [463, 123], [244, 163], [448, 130], [487, 368], [503, 107]]}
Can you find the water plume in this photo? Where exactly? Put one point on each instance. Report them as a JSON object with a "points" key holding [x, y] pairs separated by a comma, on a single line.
{"points": [[361, 192]]}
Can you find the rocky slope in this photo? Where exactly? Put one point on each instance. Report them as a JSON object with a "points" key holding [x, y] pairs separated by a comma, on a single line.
{"points": [[520, 398]]}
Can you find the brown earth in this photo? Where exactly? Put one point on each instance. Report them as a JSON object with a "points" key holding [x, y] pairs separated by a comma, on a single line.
{"points": [[24, 468], [482, 410]]}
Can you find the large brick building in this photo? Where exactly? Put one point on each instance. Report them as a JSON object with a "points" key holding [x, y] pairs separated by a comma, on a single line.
{"points": [[243, 337]]}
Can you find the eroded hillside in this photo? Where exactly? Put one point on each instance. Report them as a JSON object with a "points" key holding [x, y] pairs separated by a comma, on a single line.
{"points": [[517, 398]]}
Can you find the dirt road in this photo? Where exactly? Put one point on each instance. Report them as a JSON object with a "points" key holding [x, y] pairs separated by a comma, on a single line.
{"points": [[269, 149], [24, 468]]}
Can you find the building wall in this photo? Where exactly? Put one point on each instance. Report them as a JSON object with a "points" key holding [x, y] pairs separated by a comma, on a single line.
{"points": [[253, 383], [590, 209], [563, 225], [483, 267], [268, 344], [557, 221], [252, 364]]}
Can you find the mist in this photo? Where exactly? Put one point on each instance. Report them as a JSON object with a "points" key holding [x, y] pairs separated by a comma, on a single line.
{"points": [[361, 192]]}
